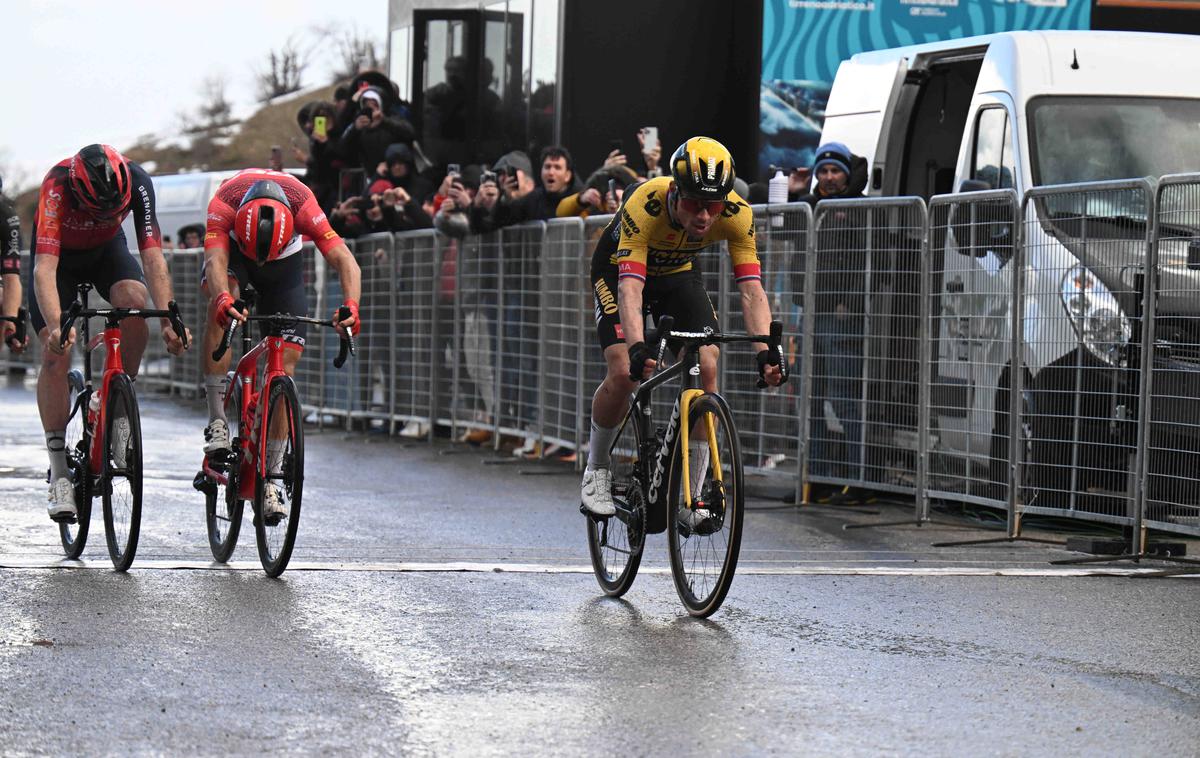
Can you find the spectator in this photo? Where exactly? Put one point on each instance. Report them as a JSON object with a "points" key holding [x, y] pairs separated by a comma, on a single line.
{"points": [[191, 237], [343, 108], [392, 209], [324, 160], [168, 243], [366, 140], [840, 318], [539, 203], [602, 193], [513, 179], [401, 170]]}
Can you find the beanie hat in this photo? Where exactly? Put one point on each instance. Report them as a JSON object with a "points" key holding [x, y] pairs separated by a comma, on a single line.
{"points": [[833, 153]]}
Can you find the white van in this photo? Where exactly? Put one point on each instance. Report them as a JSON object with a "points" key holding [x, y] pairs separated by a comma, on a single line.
{"points": [[1021, 110], [182, 199]]}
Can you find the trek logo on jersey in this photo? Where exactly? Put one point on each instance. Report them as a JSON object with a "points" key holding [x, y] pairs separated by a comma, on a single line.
{"points": [[319, 219]]}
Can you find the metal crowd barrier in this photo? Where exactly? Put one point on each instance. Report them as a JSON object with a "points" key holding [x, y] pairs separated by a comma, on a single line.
{"points": [[903, 322]]}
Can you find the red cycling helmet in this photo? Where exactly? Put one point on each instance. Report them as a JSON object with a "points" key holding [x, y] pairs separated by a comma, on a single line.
{"points": [[99, 179], [263, 225]]}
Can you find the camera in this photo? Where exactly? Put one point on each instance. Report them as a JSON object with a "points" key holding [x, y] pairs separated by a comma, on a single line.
{"points": [[489, 176]]}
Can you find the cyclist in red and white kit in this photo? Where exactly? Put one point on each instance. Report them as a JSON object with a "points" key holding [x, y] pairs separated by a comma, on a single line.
{"points": [[262, 215], [77, 238]]}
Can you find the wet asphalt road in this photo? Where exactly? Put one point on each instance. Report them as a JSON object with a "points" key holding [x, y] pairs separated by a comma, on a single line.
{"points": [[439, 604]]}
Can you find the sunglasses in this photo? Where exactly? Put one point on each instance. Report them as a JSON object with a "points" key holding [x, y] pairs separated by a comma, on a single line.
{"points": [[692, 205]]}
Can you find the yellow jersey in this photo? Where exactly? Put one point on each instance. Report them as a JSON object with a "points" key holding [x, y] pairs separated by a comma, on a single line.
{"points": [[644, 241]]}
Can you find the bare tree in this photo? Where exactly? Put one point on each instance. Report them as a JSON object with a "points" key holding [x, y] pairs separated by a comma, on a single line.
{"points": [[17, 178], [283, 70], [353, 50], [211, 124]]}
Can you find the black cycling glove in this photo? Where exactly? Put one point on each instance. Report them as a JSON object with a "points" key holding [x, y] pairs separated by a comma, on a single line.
{"points": [[769, 358], [638, 355]]}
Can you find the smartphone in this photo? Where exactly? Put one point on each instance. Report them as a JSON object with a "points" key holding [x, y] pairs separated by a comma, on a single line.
{"points": [[454, 169], [650, 138], [616, 145], [320, 126], [488, 176]]}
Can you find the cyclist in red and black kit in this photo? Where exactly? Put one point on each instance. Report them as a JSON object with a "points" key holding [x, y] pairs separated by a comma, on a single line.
{"points": [[262, 214], [77, 237], [10, 270]]}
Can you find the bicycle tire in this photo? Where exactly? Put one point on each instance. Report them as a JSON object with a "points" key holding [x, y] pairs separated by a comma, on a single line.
{"points": [[275, 542], [703, 563], [74, 536], [121, 477], [625, 533], [223, 530]]}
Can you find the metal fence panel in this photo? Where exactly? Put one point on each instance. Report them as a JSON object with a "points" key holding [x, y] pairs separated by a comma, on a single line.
{"points": [[970, 291], [518, 336], [769, 420], [371, 374], [1086, 247], [1171, 490], [419, 300], [474, 406], [864, 284], [311, 370], [565, 336]]}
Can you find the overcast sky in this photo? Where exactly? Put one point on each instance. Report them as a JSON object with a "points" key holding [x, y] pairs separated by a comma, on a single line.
{"points": [[82, 71]]}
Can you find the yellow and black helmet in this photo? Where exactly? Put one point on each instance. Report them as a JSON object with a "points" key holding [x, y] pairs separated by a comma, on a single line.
{"points": [[702, 168]]}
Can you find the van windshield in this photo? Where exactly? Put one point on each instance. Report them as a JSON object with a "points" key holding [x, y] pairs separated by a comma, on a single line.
{"points": [[1088, 139]]}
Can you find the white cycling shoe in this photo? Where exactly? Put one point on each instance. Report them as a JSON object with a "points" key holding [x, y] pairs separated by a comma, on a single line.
{"points": [[62, 500], [216, 436], [273, 509], [596, 492], [120, 442]]}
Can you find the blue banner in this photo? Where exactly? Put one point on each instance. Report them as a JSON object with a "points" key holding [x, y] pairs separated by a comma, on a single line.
{"points": [[804, 41]]}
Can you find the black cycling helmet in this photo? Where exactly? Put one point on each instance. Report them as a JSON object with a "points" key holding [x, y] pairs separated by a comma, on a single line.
{"points": [[702, 168]]}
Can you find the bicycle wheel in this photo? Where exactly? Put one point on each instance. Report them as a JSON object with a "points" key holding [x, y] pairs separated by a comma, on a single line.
{"points": [[285, 473], [704, 552], [616, 542], [121, 480], [222, 506], [74, 536]]}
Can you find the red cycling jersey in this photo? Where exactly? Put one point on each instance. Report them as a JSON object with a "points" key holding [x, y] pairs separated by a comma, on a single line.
{"points": [[60, 224], [310, 220]]}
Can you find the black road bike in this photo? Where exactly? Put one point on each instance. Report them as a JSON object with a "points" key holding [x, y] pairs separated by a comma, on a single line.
{"points": [[685, 479]]}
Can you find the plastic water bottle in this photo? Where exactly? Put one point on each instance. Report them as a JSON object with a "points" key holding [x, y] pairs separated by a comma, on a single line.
{"points": [[93, 411], [777, 193]]}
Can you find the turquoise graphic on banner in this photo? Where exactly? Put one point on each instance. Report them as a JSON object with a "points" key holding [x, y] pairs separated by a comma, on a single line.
{"points": [[804, 41]]}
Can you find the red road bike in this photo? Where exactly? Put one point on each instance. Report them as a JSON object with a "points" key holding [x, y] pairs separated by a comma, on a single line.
{"points": [[262, 405], [104, 438]]}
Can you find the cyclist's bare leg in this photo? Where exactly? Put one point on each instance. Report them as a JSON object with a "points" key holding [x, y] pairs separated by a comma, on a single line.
{"points": [[130, 293], [53, 405], [611, 400]]}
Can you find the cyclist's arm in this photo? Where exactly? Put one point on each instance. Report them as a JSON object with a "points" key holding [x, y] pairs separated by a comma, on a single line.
{"points": [[216, 268], [756, 310], [45, 285], [342, 261], [629, 305], [12, 295]]}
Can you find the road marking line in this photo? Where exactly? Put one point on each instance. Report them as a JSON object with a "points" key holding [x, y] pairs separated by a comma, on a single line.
{"points": [[31, 563]]}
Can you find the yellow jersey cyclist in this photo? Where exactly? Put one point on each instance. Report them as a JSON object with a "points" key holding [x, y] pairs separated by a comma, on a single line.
{"points": [[647, 255]]}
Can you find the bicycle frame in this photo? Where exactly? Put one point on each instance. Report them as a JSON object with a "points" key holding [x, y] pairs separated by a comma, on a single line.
{"points": [[251, 461], [113, 365], [660, 452]]}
